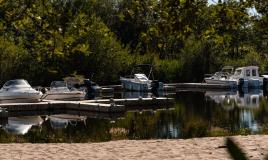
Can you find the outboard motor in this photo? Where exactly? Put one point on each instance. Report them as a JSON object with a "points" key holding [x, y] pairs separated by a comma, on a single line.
{"points": [[265, 84], [43, 90], [90, 91], [155, 85], [241, 84]]}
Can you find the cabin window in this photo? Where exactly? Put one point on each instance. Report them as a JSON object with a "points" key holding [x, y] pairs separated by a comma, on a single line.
{"points": [[248, 73], [237, 72], [254, 72]]}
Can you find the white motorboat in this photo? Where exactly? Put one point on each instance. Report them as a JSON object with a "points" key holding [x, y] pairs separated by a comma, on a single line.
{"points": [[18, 90], [140, 82], [222, 77], [60, 91], [248, 76], [245, 76], [21, 125]]}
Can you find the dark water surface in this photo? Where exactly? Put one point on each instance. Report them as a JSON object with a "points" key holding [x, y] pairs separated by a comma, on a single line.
{"points": [[195, 114]]}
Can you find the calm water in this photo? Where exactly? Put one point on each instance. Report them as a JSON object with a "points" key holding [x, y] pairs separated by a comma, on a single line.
{"points": [[195, 114]]}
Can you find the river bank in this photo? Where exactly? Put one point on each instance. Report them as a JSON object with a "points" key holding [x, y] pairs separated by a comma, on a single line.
{"points": [[255, 146]]}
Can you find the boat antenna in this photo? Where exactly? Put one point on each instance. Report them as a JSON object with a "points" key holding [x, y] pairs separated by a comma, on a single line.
{"points": [[151, 72]]}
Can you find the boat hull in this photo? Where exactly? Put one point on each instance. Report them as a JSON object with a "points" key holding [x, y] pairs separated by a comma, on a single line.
{"points": [[130, 85], [217, 81], [64, 96], [20, 97]]}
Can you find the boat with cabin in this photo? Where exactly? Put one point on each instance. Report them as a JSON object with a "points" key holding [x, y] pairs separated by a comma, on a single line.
{"points": [[138, 81], [18, 91], [247, 76], [60, 91], [222, 77]]}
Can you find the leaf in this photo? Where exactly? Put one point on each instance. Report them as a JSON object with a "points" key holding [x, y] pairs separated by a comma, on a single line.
{"points": [[235, 152]]}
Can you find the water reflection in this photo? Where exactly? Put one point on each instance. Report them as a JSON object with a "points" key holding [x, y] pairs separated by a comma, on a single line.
{"points": [[21, 125], [230, 99], [247, 102], [61, 121], [142, 94], [195, 114]]}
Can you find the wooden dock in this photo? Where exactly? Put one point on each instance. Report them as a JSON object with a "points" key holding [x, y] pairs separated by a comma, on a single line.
{"points": [[119, 88], [204, 86], [175, 87], [62, 105], [100, 106], [138, 102]]}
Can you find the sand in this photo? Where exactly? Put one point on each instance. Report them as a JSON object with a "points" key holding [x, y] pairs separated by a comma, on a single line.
{"points": [[255, 146]]}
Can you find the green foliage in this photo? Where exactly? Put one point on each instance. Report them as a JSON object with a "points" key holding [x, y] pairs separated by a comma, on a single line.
{"points": [[11, 60], [183, 39]]}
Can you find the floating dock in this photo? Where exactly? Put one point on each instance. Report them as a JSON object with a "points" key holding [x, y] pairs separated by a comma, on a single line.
{"points": [[62, 105], [100, 106], [175, 87], [138, 102], [203, 86], [119, 88]]}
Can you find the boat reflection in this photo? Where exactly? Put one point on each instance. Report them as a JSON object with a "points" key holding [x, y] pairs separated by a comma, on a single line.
{"points": [[244, 103], [61, 121], [21, 125], [145, 94], [136, 94], [230, 99]]}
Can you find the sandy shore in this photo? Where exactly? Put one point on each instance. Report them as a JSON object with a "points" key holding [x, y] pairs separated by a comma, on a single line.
{"points": [[256, 147]]}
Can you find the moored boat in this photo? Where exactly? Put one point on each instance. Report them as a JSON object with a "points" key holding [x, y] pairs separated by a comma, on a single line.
{"points": [[18, 91], [243, 76], [140, 82], [247, 76], [60, 91], [222, 77]]}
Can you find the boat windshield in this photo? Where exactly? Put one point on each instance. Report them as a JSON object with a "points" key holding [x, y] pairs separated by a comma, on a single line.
{"points": [[141, 77], [56, 84], [238, 72], [16, 82], [228, 69]]}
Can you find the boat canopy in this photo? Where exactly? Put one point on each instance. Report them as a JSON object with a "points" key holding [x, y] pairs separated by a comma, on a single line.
{"points": [[146, 69], [56, 84], [59, 86], [228, 69], [141, 77], [16, 82], [248, 71]]}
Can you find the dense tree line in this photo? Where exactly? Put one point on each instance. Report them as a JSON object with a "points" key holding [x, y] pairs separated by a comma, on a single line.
{"points": [[44, 40]]}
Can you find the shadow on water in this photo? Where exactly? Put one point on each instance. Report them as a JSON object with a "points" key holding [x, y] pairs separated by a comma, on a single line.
{"points": [[195, 114]]}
